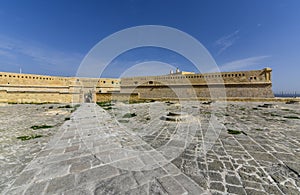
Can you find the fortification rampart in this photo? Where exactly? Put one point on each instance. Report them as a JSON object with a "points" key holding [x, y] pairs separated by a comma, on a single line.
{"points": [[235, 84], [29, 88], [40, 88]]}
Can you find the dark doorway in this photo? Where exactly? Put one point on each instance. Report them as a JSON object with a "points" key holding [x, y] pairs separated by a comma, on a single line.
{"points": [[88, 97]]}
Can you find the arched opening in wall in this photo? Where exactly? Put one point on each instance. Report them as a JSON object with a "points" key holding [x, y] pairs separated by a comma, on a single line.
{"points": [[88, 97], [150, 82]]}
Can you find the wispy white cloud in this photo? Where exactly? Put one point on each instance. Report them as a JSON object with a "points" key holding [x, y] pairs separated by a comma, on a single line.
{"points": [[6, 54], [12, 51], [242, 63], [227, 41]]}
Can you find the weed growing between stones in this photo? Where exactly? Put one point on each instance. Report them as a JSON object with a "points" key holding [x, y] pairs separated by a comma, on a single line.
{"points": [[291, 117], [129, 115], [69, 106], [35, 127], [75, 108], [272, 114], [123, 121], [28, 137], [66, 106], [105, 105], [235, 132]]}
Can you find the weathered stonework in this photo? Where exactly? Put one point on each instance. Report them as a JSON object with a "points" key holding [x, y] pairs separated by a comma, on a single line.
{"points": [[28, 88], [106, 97], [216, 85]]}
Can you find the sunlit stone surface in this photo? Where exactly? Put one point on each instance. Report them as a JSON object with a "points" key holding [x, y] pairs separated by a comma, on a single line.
{"points": [[236, 148]]}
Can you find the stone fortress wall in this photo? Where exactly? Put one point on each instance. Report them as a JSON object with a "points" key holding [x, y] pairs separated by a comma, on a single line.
{"points": [[31, 88], [245, 84]]}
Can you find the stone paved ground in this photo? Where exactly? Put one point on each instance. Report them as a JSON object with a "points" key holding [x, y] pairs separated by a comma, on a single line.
{"points": [[17, 120], [129, 149]]}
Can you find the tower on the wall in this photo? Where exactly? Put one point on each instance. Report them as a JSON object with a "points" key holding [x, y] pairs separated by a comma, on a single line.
{"points": [[268, 75]]}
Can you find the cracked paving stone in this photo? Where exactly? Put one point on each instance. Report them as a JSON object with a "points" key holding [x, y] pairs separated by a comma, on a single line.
{"points": [[171, 185], [216, 166], [97, 173], [255, 192], [235, 190], [217, 186], [36, 188], [93, 154], [215, 176], [119, 184], [232, 180], [61, 184]]}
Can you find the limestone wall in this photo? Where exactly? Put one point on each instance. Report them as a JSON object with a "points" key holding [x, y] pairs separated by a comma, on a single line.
{"points": [[40, 88], [16, 87], [107, 97], [235, 84], [256, 76], [35, 97], [214, 91]]}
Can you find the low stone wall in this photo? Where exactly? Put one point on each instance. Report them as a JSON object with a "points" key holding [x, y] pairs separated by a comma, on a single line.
{"points": [[107, 97], [36, 97], [251, 90]]}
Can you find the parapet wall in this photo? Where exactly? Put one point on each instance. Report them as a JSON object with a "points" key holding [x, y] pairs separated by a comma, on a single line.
{"points": [[256, 76], [30, 88], [40, 88], [226, 84]]}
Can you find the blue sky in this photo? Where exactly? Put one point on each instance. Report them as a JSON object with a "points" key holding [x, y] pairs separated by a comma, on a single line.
{"points": [[52, 37]]}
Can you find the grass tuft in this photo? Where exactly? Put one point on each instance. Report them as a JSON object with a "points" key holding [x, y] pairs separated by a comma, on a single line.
{"points": [[291, 117], [35, 127], [129, 115], [28, 137], [66, 106], [105, 105], [235, 132]]}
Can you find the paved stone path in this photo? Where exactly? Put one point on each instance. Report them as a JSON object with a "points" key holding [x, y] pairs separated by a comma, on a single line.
{"points": [[17, 120], [88, 157], [104, 152]]}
